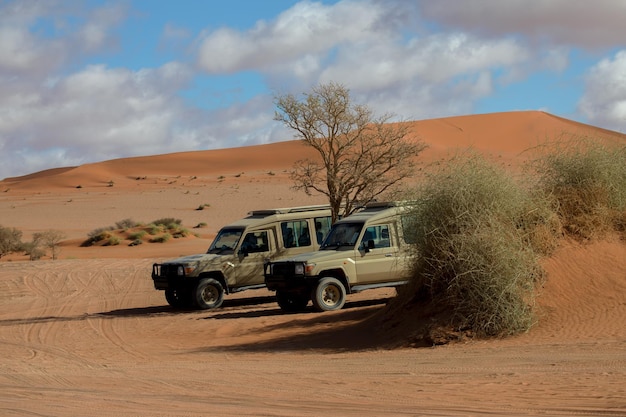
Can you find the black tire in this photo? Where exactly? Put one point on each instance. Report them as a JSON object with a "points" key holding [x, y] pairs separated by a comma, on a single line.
{"points": [[328, 295], [290, 302], [177, 298], [209, 293]]}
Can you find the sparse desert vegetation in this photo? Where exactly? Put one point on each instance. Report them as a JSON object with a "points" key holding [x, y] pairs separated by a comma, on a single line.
{"points": [[479, 234], [157, 231], [586, 182]]}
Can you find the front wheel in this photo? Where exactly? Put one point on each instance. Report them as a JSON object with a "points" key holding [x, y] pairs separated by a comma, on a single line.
{"points": [[177, 298], [328, 295], [291, 302], [209, 294]]}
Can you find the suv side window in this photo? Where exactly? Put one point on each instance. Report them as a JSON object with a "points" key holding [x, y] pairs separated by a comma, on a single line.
{"points": [[322, 227], [408, 226], [378, 234], [295, 233], [255, 242]]}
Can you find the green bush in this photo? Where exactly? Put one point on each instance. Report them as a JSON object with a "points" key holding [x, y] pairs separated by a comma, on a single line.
{"points": [[168, 222], [154, 229], [587, 181], [180, 232], [98, 235], [161, 238], [137, 235], [474, 259], [113, 240]]}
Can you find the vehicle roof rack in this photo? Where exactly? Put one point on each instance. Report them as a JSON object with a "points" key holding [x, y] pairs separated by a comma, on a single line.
{"points": [[286, 210], [382, 204]]}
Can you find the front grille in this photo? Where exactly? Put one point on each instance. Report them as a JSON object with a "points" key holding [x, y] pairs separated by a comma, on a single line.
{"points": [[165, 270], [283, 269]]}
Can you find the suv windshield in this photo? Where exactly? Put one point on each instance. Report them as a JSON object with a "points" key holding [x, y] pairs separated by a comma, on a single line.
{"points": [[226, 241], [342, 234]]}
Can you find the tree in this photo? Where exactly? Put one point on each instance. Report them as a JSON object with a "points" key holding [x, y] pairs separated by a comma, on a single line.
{"points": [[362, 156], [50, 239], [10, 240]]}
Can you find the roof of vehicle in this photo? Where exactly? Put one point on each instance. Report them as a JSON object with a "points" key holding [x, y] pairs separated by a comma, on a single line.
{"points": [[261, 217], [375, 211]]}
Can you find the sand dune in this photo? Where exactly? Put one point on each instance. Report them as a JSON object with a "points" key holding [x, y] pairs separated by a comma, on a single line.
{"points": [[88, 335]]}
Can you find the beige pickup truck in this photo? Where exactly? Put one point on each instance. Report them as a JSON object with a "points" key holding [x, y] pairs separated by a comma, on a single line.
{"points": [[234, 261], [362, 251]]}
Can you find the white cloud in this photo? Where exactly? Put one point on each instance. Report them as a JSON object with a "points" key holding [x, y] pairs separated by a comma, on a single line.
{"points": [[95, 114], [369, 46], [604, 100], [306, 29], [563, 22]]}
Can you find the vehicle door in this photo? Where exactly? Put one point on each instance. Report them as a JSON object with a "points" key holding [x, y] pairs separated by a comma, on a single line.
{"points": [[255, 248], [378, 255]]}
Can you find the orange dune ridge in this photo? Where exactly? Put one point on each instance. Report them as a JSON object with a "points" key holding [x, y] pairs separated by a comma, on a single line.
{"points": [[507, 135], [231, 182]]}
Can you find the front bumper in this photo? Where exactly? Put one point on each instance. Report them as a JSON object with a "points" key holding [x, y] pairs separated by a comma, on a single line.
{"points": [[168, 276]]}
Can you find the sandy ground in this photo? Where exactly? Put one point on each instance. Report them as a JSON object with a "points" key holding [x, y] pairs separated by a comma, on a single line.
{"points": [[88, 335]]}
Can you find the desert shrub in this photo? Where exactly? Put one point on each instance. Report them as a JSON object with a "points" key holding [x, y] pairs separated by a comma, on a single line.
{"points": [[203, 206], [49, 239], [10, 240], [101, 231], [154, 229], [136, 242], [113, 240], [137, 235], [161, 238], [168, 222], [472, 227], [98, 235], [126, 224], [587, 181], [201, 225], [180, 232]]}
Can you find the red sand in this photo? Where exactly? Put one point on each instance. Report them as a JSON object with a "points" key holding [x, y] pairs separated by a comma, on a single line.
{"points": [[88, 335]]}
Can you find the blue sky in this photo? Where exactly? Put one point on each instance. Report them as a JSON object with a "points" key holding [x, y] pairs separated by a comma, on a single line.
{"points": [[87, 81]]}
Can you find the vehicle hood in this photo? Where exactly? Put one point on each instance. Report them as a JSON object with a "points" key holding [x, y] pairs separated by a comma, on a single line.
{"points": [[201, 257]]}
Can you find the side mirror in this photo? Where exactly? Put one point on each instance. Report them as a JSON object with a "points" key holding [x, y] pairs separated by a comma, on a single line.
{"points": [[368, 245]]}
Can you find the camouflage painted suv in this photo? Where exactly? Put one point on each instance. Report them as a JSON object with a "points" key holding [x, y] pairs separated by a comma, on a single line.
{"points": [[362, 251], [234, 261]]}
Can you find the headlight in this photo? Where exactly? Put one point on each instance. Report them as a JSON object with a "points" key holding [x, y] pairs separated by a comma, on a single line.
{"points": [[303, 268], [185, 270]]}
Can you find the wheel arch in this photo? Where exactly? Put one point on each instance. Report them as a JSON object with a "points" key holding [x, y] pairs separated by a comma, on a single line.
{"points": [[218, 276], [337, 273]]}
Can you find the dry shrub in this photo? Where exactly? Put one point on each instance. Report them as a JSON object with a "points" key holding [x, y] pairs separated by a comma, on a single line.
{"points": [[587, 181], [126, 224], [474, 260]]}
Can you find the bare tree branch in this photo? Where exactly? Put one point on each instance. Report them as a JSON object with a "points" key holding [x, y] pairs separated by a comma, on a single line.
{"points": [[361, 156]]}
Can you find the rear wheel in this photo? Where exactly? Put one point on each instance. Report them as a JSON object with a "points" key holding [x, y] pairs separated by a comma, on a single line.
{"points": [[328, 295], [291, 302], [208, 294]]}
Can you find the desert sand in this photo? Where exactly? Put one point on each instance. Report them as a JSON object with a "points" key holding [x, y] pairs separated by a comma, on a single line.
{"points": [[87, 334]]}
